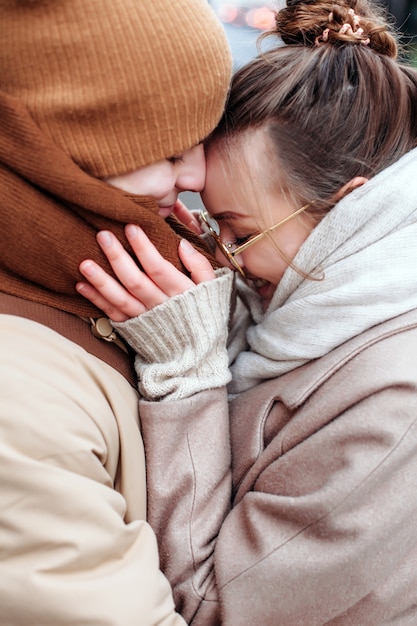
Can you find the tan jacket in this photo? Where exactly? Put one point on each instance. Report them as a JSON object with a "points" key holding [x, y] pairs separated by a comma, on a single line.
{"points": [[74, 544], [323, 528]]}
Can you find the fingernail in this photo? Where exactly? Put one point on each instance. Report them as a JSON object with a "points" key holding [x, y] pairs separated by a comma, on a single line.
{"points": [[132, 231], [186, 246], [195, 226], [104, 238], [88, 269]]}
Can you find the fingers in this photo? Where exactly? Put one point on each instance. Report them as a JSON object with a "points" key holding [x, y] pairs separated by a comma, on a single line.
{"points": [[107, 294], [163, 274], [137, 283], [138, 291], [88, 291], [195, 262], [186, 217]]}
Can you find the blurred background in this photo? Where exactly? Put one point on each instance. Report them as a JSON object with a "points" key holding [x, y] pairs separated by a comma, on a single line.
{"points": [[245, 20]]}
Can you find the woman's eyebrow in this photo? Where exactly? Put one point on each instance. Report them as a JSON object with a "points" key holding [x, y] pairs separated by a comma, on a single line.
{"points": [[230, 215]]}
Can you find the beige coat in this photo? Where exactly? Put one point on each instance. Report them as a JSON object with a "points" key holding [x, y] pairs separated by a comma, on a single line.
{"points": [[75, 548], [323, 528]]}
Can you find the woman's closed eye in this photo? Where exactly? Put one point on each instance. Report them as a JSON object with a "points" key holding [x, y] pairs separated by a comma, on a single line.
{"points": [[239, 241]]}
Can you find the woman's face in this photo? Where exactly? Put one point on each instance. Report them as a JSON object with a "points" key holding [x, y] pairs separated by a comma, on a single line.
{"points": [[246, 205], [164, 180]]}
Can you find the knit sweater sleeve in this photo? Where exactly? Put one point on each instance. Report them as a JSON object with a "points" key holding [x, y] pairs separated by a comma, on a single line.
{"points": [[180, 345]]}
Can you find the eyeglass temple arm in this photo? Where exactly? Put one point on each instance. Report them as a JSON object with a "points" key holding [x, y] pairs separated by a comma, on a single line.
{"points": [[243, 247]]}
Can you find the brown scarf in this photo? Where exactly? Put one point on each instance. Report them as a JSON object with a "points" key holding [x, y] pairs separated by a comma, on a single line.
{"points": [[51, 211]]}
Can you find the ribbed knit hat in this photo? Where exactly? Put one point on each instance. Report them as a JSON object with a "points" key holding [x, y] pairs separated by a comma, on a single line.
{"points": [[117, 84]]}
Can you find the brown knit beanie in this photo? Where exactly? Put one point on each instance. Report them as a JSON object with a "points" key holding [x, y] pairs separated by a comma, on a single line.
{"points": [[117, 84]]}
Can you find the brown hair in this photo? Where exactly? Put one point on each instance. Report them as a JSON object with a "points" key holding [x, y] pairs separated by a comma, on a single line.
{"points": [[334, 100]]}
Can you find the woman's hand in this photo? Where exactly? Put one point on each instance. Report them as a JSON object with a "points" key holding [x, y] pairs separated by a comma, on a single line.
{"points": [[140, 290], [186, 217]]}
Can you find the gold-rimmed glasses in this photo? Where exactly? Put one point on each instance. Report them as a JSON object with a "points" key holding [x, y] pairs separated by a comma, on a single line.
{"points": [[230, 249]]}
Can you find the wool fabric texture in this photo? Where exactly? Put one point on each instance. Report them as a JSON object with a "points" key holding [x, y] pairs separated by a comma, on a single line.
{"points": [[116, 85], [80, 99], [180, 345], [364, 252]]}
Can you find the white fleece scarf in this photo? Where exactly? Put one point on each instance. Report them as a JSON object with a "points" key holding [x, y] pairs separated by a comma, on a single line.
{"points": [[366, 249]]}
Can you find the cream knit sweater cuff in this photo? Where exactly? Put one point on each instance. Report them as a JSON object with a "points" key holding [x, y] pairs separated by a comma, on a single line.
{"points": [[180, 345]]}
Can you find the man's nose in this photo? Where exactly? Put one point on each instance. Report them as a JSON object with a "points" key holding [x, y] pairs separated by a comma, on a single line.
{"points": [[192, 175]]}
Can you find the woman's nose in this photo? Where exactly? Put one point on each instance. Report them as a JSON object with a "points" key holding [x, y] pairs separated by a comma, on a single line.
{"points": [[192, 172]]}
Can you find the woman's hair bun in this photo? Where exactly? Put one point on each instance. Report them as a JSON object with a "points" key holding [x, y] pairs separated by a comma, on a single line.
{"points": [[321, 22]]}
